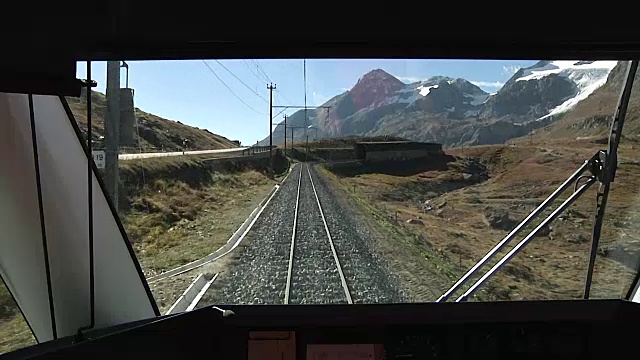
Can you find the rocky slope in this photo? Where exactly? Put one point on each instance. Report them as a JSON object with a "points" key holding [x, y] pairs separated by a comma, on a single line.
{"points": [[453, 111], [592, 116], [155, 133]]}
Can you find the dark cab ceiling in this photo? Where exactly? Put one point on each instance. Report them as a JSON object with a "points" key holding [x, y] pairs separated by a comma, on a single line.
{"points": [[43, 44]]}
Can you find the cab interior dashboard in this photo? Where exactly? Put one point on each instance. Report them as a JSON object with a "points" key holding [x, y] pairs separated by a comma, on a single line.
{"points": [[584, 329]]}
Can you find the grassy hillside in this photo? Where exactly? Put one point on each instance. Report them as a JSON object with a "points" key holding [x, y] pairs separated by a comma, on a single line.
{"points": [[480, 195], [156, 133]]}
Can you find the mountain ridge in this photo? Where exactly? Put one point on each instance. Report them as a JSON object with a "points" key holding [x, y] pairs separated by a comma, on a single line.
{"points": [[453, 111], [591, 117]]}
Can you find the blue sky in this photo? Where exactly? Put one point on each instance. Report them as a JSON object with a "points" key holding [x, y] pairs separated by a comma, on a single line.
{"points": [[188, 90]]}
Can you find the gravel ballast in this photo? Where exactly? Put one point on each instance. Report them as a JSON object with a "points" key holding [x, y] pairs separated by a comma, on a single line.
{"points": [[258, 273], [368, 279], [315, 278]]}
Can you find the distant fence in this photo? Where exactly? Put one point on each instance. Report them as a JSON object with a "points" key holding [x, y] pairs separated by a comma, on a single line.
{"points": [[130, 150], [256, 150]]}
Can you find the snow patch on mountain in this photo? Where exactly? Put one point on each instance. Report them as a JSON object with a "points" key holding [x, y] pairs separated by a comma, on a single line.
{"points": [[587, 75], [425, 90], [584, 92], [566, 68], [410, 95]]}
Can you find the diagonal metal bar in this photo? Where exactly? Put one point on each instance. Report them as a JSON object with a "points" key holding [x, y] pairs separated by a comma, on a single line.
{"points": [[516, 249], [507, 239]]}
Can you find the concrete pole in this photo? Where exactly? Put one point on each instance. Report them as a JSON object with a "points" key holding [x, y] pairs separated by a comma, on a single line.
{"points": [[291, 138], [112, 127], [271, 87]]}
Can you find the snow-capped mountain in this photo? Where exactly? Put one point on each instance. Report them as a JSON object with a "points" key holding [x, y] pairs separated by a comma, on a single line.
{"points": [[546, 89], [454, 111], [411, 93], [591, 117], [379, 95], [586, 75]]}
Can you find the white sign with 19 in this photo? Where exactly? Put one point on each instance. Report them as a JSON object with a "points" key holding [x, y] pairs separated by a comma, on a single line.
{"points": [[98, 158]]}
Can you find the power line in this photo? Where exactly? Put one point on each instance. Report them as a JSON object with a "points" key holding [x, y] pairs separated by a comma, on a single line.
{"points": [[242, 82], [285, 97], [258, 73], [261, 70], [228, 88], [281, 99], [254, 72], [280, 112]]}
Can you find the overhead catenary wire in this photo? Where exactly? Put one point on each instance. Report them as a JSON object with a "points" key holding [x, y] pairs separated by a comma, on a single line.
{"points": [[231, 91], [242, 82], [261, 75], [258, 79], [261, 70], [254, 72], [285, 97], [281, 111]]}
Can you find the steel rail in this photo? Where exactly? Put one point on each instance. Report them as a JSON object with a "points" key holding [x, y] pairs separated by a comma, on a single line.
{"points": [[287, 289], [343, 280]]}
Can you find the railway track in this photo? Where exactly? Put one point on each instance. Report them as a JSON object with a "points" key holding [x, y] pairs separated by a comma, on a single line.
{"points": [[305, 249], [314, 273]]}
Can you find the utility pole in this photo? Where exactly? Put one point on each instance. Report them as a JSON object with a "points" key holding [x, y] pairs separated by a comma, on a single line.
{"points": [[304, 74], [292, 129], [112, 127], [284, 107], [271, 87], [315, 138], [285, 134]]}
